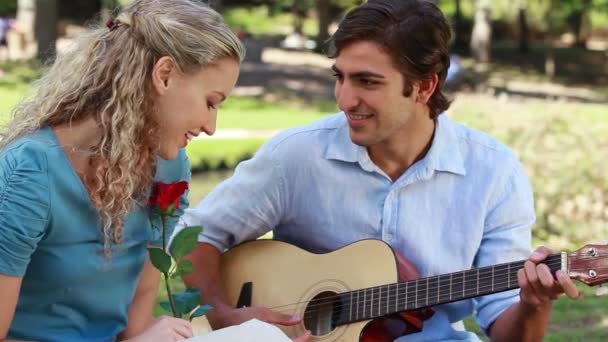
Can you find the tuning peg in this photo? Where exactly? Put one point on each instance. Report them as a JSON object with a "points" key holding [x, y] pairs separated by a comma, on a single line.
{"points": [[601, 290]]}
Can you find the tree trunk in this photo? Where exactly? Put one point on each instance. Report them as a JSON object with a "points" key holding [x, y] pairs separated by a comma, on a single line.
{"points": [[324, 21], [578, 20], [46, 28], [37, 20], [481, 37], [549, 54], [460, 30], [524, 32], [216, 5], [299, 14]]}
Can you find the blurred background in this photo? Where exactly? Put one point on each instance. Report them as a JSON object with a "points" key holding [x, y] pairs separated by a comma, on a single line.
{"points": [[533, 73]]}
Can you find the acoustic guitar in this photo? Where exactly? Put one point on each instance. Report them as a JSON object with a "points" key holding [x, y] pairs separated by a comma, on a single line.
{"points": [[349, 294]]}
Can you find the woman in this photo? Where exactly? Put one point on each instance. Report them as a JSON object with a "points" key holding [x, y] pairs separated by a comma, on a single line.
{"points": [[78, 163]]}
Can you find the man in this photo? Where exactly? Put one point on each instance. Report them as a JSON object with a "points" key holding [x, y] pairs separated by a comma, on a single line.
{"points": [[389, 167]]}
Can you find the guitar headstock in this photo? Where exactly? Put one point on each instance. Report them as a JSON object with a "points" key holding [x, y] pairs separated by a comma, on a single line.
{"points": [[589, 264]]}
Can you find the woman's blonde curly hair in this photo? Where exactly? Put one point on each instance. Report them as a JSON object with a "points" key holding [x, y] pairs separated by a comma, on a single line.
{"points": [[107, 75]]}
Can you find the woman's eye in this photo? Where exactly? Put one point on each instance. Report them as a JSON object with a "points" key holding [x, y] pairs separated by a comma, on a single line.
{"points": [[211, 105]]}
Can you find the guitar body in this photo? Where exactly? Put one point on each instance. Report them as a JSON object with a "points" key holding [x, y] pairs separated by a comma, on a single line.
{"points": [[282, 274]]}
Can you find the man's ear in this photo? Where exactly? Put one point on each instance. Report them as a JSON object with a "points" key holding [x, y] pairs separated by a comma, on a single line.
{"points": [[163, 70], [426, 88]]}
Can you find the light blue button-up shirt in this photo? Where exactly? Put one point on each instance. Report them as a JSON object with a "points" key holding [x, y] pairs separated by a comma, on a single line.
{"points": [[467, 203]]}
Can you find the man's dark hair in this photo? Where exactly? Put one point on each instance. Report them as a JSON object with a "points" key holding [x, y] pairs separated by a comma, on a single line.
{"points": [[416, 35]]}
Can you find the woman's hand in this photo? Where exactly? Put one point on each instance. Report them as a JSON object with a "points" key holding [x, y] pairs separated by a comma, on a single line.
{"points": [[165, 329]]}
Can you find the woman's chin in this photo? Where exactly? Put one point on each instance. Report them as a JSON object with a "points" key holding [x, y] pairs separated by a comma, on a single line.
{"points": [[168, 154]]}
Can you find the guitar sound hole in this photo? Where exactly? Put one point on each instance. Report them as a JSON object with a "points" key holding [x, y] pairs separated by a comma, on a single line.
{"points": [[322, 313]]}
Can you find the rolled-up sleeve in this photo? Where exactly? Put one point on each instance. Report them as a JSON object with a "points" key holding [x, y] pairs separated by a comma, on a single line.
{"points": [[242, 208], [507, 238], [24, 207]]}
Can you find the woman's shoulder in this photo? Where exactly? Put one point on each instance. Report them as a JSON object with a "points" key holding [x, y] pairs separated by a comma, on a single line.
{"points": [[31, 150]]}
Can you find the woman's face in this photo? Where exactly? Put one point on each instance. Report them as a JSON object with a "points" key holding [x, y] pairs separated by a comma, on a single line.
{"points": [[187, 103]]}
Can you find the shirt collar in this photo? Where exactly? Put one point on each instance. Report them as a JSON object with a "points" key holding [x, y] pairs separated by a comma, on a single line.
{"points": [[444, 154]]}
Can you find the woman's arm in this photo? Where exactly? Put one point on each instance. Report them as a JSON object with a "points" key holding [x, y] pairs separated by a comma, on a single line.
{"points": [[9, 294], [142, 308]]}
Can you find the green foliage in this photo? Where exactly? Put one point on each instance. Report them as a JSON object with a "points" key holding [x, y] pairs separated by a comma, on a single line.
{"points": [[221, 154], [185, 241], [261, 21], [564, 148], [160, 259], [8, 8]]}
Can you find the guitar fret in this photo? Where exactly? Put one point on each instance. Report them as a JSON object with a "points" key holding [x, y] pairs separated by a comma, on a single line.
{"points": [[358, 303], [492, 278], [371, 301], [396, 298], [379, 299], [477, 282], [350, 315], [451, 274], [463, 282], [406, 307], [427, 291]]}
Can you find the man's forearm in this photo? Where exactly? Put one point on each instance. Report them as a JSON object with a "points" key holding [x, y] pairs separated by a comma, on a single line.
{"points": [[206, 277], [521, 323]]}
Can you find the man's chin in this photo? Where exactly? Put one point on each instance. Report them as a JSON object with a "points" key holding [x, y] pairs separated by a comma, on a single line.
{"points": [[359, 140]]}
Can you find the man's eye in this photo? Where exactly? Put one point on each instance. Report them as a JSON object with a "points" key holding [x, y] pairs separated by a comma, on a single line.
{"points": [[368, 82], [337, 75]]}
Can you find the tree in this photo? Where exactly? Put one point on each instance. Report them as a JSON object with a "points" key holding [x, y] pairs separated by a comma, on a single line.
{"points": [[524, 31], [323, 11], [216, 5], [481, 37], [37, 20]]}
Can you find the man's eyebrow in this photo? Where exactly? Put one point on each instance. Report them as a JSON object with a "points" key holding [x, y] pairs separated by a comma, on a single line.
{"points": [[359, 74]]}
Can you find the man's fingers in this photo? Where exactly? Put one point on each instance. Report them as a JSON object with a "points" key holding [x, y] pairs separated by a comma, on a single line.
{"points": [[282, 319], [567, 285], [540, 254], [304, 337]]}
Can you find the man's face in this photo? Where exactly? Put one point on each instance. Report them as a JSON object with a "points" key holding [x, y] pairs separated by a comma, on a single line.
{"points": [[369, 89]]}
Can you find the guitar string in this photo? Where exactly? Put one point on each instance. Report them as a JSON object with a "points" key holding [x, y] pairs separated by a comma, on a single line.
{"points": [[411, 299], [482, 277], [458, 274], [497, 283]]}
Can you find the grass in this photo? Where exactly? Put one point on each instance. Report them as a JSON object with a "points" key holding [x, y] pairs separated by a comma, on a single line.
{"points": [[254, 113], [221, 154]]}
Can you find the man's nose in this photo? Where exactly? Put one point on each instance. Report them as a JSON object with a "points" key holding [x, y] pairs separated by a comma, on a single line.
{"points": [[346, 96]]}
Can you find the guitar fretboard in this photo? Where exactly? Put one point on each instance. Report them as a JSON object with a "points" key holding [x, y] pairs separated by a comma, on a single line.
{"points": [[382, 300]]}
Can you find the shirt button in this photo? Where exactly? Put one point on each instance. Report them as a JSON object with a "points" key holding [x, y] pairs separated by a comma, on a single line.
{"points": [[388, 236]]}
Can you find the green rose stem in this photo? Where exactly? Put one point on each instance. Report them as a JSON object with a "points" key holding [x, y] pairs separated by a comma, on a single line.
{"points": [[166, 274]]}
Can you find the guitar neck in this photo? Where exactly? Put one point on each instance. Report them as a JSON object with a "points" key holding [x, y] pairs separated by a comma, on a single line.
{"points": [[373, 302]]}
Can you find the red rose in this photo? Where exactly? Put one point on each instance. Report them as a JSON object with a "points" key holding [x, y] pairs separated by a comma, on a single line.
{"points": [[167, 194]]}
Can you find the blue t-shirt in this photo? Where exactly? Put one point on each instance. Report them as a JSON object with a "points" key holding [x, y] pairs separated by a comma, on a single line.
{"points": [[50, 235]]}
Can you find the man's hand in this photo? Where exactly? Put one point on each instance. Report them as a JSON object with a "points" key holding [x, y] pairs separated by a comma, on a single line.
{"points": [[234, 316], [538, 286]]}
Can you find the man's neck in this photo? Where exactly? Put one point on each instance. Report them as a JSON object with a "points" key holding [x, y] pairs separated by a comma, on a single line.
{"points": [[395, 156]]}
